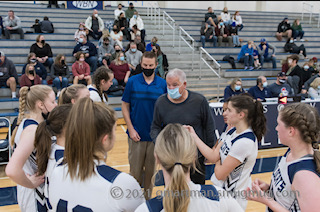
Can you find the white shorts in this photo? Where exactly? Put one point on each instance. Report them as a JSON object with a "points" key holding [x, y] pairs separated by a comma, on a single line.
{"points": [[26, 199]]}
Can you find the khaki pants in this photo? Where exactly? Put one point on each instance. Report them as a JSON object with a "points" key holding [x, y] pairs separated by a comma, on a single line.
{"points": [[141, 160]]}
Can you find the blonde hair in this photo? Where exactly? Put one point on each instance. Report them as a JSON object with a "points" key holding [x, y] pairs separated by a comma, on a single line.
{"points": [[315, 83], [27, 70], [69, 93], [233, 82], [117, 61], [83, 144], [177, 153], [27, 101]]}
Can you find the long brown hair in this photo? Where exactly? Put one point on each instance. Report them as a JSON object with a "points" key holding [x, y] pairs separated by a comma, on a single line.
{"points": [[53, 126], [306, 119], [69, 93], [86, 125], [102, 73]]}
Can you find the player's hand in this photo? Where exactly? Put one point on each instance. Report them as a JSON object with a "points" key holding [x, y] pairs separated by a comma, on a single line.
{"points": [[35, 179], [134, 135], [262, 185]]}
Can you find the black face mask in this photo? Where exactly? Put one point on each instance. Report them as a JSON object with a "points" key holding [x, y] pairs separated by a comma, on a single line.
{"points": [[31, 72], [115, 30], [282, 81], [45, 116], [118, 50], [147, 72], [62, 62], [107, 44], [43, 41]]}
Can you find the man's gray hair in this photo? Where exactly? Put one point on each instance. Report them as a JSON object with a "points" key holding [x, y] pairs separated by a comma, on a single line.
{"points": [[178, 73], [2, 54]]}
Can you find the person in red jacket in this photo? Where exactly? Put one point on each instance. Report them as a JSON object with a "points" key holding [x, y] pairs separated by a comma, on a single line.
{"points": [[30, 77], [120, 69], [81, 70]]}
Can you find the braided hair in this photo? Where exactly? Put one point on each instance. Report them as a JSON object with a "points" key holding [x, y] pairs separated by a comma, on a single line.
{"points": [[102, 73]]}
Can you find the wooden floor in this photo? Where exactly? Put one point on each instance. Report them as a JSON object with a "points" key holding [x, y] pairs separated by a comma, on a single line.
{"points": [[118, 158]]}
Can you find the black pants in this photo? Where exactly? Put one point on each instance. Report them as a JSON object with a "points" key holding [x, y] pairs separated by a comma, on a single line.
{"points": [[8, 32], [297, 49], [196, 177], [95, 34]]}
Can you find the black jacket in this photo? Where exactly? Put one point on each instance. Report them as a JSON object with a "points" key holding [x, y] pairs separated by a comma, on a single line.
{"points": [[283, 26], [121, 23], [208, 33]]}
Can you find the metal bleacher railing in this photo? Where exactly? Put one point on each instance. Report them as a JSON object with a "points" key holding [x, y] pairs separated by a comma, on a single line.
{"points": [[306, 7]]}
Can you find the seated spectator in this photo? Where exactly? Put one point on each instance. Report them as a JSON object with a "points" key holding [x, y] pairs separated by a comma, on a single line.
{"points": [[118, 11], [208, 34], [82, 30], [295, 74], [307, 84], [237, 18], [297, 30], [314, 89], [130, 12], [105, 33], [117, 36], [136, 20], [123, 25], [133, 56], [102, 81], [225, 16], [120, 69], [43, 51], [117, 51], [291, 47], [256, 62], [280, 86], [30, 77], [12, 24], [134, 32], [36, 26], [8, 74], [260, 91], [210, 17], [234, 34], [104, 52], [95, 25], [39, 68], [235, 88], [46, 25], [81, 70], [223, 34], [313, 67], [284, 29], [153, 42], [140, 45], [306, 73], [159, 69], [60, 73], [246, 55], [263, 50], [1, 26], [285, 65], [90, 51]]}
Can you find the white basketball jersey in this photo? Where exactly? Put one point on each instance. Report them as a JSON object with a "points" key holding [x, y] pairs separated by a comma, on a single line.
{"points": [[203, 198], [94, 94], [106, 190]]}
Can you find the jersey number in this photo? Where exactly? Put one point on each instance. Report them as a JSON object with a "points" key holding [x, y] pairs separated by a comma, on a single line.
{"points": [[63, 207]]}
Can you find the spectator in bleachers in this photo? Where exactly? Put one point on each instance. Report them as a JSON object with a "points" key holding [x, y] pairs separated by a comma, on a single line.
{"points": [[120, 69], [1, 26], [225, 16], [264, 55], [233, 28], [133, 56], [246, 55], [82, 30], [280, 86], [223, 34], [237, 18], [140, 45], [235, 88], [291, 47], [36, 26], [256, 62], [260, 91], [30, 77], [134, 32], [210, 17], [314, 88], [95, 25], [46, 25], [43, 51], [12, 24], [307, 84], [153, 42], [104, 52], [81, 70], [284, 29], [39, 68], [55, 3], [307, 70], [285, 65], [130, 12], [60, 73], [159, 69], [117, 35], [118, 11], [208, 34], [117, 49], [8, 74], [137, 20], [313, 67], [105, 33], [297, 30], [123, 25], [90, 51], [295, 75]]}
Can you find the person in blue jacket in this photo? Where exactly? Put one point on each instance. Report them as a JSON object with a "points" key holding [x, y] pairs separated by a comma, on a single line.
{"points": [[260, 91], [235, 88], [246, 55]]}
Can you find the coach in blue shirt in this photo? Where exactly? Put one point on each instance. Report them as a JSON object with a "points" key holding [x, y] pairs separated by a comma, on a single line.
{"points": [[138, 100], [260, 91]]}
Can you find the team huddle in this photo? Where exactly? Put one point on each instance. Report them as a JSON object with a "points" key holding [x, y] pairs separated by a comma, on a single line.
{"points": [[60, 151]]}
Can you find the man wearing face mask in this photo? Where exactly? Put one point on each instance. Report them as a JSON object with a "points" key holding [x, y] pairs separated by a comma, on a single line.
{"points": [[8, 74], [260, 91], [133, 56], [118, 11], [138, 100], [105, 51], [186, 107], [280, 86], [130, 11], [95, 25]]}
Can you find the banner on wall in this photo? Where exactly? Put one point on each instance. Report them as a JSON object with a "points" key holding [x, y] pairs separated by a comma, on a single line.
{"points": [[85, 5], [271, 113]]}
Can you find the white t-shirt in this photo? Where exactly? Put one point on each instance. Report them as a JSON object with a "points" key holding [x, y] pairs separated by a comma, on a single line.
{"points": [[202, 198], [94, 95], [225, 16], [106, 190], [243, 147], [117, 13]]}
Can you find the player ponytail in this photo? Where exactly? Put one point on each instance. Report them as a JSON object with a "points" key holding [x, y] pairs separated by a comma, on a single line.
{"points": [[102, 73], [52, 126], [69, 93], [86, 125], [176, 151]]}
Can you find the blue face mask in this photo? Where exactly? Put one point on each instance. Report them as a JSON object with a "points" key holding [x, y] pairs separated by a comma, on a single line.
{"points": [[133, 50], [318, 86], [221, 24], [291, 41], [306, 67], [80, 40], [237, 87], [265, 84], [134, 16], [122, 58], [174, 93]]}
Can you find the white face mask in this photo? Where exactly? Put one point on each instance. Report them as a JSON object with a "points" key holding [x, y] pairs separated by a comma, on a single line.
{"points": [[265, 84], [96, 15]]}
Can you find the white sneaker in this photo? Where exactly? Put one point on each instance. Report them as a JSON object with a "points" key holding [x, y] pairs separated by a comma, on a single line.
{"points": [[302, 40], [58, 94], [294, 39]]}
